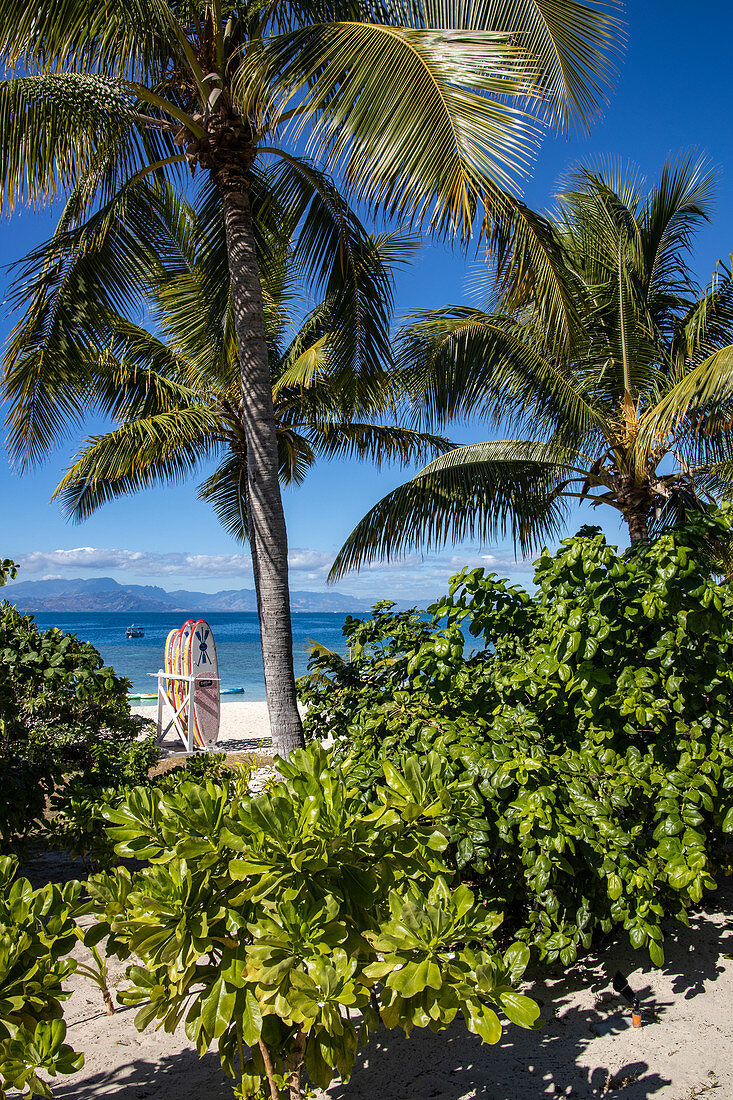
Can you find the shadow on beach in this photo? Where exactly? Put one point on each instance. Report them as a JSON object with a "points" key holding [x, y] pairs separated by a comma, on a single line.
{"points": [[181, 1076], [586, 1047]]}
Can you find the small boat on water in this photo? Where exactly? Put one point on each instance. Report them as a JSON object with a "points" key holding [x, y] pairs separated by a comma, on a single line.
{"points": [[134, 631]]}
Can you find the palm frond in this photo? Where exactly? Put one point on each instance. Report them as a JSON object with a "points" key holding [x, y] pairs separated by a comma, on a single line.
{"points": [[226, 491], [574, 46], [461, 362], [54, 128], [700, 404], [74, 289], [705, 327], [302, 367], [480, 492], [295, 455], [165, 448], [342, 264], [678, 203], [527, 265], [115, 37], [377, 443], [416, 121]]}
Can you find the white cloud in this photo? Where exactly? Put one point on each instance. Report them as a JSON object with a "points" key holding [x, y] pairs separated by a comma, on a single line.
{"points": [[421, 579], [413, 578], [148, 564], [309, 560], [493, 563]]}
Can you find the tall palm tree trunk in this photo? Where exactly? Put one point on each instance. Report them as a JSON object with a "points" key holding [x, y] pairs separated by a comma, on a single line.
{"points": [[268, 536], [635, 506], [638, 526]]}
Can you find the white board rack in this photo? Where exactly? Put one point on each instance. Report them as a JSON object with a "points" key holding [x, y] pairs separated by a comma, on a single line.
{"points": [[180, 719]]}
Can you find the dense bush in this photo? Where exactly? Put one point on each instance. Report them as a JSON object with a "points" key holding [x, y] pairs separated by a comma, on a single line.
{"points": [[268, 920], [77, 822], [591, 731], [61, 711], [37, 931]]}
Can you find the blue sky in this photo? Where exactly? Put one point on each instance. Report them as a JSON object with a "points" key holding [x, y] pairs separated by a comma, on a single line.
{"points": [[672, 94]]}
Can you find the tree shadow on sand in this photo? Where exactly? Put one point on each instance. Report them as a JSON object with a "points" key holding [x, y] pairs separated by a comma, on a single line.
{"points": [[524, 1065], [182, 1076]]}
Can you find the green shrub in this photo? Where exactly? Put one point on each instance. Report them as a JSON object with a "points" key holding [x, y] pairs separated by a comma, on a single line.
{"points": [[37, 931], [591, 732], [268, 920], [77, 821], [197, 769], [61, 711]]}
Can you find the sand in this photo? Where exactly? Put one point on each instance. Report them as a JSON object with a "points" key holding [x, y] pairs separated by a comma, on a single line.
{"points": [[244, 727], [586, 1048]]}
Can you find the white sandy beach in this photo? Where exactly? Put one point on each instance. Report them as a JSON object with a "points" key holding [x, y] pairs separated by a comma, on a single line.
{"points": [[244, 726]]}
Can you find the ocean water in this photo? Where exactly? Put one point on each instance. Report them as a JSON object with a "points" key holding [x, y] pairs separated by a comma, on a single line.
{"points": [[236, 635]]}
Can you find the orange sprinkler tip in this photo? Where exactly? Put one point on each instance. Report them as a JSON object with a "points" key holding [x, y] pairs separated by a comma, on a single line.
{"points": [[636, 1019]]}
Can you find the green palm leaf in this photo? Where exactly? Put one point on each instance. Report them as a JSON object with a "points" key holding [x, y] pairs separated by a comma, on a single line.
{"points": [[706, 325], [76, 286], [574, 46], [700, 402], [342, 264], [57, 127], [525, 258], [168, 447], [638, 387], [176, 394], [115, 37], [460, 362], [226, 491], [478, 492], [404, 116], [377, 443]]}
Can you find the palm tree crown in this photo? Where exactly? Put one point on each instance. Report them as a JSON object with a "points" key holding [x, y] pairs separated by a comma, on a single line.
{"points": [[175, 391], [627, 404]]}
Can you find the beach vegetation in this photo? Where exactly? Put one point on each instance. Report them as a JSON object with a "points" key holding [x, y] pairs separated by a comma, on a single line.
{"points": [[285, 926], [429, 114], [37, 932], [616, 375], [76, 822], [62, 711], [588, 726]]}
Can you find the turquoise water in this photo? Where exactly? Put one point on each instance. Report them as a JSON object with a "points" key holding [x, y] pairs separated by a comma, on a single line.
{"points": [[236, 634]]}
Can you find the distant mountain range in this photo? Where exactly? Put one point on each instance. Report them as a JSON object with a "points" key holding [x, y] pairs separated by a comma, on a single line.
{"points": [[107, 594]]}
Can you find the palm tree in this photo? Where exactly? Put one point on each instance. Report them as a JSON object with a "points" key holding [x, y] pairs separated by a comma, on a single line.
{"points": [[175, 391], [427, 111], [630, 406]]}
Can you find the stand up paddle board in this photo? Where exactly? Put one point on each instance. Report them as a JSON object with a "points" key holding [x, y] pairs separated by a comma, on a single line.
{"points": [[169, 662], [203, 664], [177, 661]]}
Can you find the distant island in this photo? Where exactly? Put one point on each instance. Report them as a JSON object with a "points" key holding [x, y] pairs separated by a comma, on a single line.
{"points": [[107, 594]]}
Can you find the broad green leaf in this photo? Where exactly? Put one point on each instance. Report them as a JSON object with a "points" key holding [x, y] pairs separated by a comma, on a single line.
{"points": [[217, 1008], [521, 1010], [482, 1021], [516, 958], [251, 1020]]}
